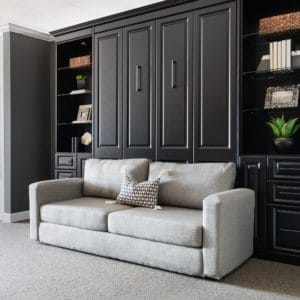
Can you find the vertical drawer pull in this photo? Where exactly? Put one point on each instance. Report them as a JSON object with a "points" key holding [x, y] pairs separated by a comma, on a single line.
{"points": [[138, 78], [173, 74]]}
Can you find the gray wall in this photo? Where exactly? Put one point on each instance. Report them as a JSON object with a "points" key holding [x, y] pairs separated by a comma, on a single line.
{"points": [[30, 117]]}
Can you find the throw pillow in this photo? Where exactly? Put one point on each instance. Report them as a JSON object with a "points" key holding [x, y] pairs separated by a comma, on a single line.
{"points": [[135, 193]]}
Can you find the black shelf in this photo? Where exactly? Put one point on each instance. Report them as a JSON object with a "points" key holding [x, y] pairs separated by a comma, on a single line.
{"points": [[273, 110], [89, 66], [74, 124], [71, 95]]}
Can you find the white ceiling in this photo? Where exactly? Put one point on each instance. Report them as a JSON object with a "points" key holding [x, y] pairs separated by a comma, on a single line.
{"points": [[48, 15]]}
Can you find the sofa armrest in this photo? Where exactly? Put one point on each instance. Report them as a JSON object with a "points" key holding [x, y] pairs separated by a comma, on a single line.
{"points": [[228, 228], [50, 191]]}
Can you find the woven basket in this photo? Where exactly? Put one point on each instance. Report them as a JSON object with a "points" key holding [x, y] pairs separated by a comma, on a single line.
{"points": [[80, 61], [280, 25]]}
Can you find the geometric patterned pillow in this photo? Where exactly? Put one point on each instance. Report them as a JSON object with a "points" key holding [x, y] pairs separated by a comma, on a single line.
{"points": [[135, 193]]}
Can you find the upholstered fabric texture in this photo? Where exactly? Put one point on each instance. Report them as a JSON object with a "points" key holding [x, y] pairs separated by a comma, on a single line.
{"points": [[50, 191], [135, 193], [160, 255], [172, 225], [86, 212], [228, 224], [103, 177], [186, 185]]}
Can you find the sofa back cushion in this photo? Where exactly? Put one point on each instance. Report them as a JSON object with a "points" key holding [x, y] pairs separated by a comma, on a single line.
{"points": [[103, 177], [186, 185]]}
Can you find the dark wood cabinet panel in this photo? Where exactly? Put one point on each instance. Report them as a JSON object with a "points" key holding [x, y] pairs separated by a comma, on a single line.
{"points": [[108, 94], [252, 175], [284, 167], [139, 90], [215, 97], [81, 158], [174, 85], [284, 229]]}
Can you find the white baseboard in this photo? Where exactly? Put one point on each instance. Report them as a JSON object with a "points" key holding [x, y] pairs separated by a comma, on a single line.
{"points": [[15, 217]]}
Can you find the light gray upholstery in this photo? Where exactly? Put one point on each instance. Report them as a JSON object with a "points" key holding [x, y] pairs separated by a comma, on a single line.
{"points": [[103, 177], [164, 256], [186, 185], [86, 212], [172, 225], [50, 191], [228, 223]]}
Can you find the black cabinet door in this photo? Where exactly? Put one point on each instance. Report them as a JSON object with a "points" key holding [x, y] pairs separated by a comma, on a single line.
{"points": [[108, 94], [139, 90], [215, 96], [174, 85], [252, 173]]}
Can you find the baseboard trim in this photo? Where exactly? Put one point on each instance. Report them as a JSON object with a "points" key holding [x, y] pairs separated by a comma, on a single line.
{"points": [[15, 217]]}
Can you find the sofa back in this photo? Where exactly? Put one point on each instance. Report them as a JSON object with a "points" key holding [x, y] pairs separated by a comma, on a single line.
{"points": [[103, 177], [186, 185]]}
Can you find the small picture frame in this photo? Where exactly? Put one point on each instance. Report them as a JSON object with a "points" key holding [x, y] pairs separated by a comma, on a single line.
{"points": [[282, 96], [84, 114]]}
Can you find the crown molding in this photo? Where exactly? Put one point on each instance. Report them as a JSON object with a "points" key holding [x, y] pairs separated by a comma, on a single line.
{"points": [[26, 31]]}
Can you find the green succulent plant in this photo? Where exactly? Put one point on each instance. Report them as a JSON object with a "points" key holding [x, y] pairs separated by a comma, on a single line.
{"points": [[283, 129], [80, 77]]}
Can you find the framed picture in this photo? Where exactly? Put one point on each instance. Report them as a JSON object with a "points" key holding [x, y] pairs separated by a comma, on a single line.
{"points": [[84, 114], [282, 96]]}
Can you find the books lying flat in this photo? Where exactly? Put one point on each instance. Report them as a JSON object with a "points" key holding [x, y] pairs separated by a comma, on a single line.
{"points": [[81, 122], [82, 91]]}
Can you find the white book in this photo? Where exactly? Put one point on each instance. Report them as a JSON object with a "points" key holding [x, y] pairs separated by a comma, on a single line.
{"points": [[283, 54], [289, 54], [81, 91], [275, 53], [271, 56], [279, 54]]}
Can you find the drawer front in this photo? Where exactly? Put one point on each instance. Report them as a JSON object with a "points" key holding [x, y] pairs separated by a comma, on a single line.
{"points": [[284, 229], [65, 161], [284, 168], [63, 174], [286, 193]]}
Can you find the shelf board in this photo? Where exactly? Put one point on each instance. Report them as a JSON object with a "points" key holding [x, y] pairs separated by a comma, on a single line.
{"points": [[271, 74], [270, 110], [74, 124], [68, 94], [72, 68]]}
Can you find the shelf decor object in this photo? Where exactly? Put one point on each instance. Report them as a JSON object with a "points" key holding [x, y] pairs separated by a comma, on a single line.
{"points": [[283, 133], [84, 114], [282, 96], [81, 91], [86, 139], [81, 61], [280, 25]]}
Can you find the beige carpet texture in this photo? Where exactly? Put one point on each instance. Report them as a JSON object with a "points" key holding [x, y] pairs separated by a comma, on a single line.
{"points": [[30, 270]]}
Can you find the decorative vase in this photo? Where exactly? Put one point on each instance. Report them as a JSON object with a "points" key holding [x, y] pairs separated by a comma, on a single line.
{"points": [[80, 84], [284, 145]]}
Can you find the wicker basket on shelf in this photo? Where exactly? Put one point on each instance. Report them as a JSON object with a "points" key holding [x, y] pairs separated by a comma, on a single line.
{"points": [[81, 61], [281, 25]]}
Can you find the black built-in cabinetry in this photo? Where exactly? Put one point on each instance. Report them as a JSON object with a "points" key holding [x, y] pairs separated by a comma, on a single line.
{"points": [[177, 81]]}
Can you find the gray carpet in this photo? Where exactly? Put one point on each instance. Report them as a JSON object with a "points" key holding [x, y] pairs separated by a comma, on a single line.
{"points": [[30, 270]]}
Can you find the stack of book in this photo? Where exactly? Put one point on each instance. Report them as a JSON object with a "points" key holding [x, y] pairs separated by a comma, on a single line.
{"points": [[280, 55]]}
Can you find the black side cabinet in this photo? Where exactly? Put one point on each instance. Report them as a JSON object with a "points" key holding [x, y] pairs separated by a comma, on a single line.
{"points": [[276, 181]]}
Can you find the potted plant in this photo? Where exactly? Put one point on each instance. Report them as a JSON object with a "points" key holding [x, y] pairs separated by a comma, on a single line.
{"points": [[81, 81], [283, 133]]}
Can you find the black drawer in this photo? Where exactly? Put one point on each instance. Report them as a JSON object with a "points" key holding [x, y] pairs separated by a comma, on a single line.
{"points": [[284, 229], [65, 161], [284, 168], [285, 193], [62, 174]]}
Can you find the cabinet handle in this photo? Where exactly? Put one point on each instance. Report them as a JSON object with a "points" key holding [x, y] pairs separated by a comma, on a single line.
{"points": [[173, 74], [138, 70]]}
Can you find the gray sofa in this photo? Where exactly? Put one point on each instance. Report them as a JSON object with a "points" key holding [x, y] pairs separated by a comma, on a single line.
{"points": [[205, 227]]}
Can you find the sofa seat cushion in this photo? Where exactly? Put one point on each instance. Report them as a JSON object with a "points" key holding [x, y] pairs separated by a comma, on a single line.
{"points": [[172, 225], [86, 213]]}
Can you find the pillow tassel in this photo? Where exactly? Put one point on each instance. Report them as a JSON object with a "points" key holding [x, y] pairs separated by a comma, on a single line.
{"points": [[110, 202], [157, 207]]}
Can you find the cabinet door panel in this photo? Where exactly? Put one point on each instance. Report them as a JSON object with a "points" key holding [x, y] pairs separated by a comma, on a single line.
{"points": [[215, 84], [253, 171], [108, 103], [174, 82], [138, 90]]}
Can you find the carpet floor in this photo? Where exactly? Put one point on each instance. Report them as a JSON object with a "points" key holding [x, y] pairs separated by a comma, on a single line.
{"points": [[30, 270]]}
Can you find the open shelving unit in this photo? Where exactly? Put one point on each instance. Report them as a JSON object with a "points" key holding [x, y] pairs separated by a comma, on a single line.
{"points": [[67, 104], [256, 137]]}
